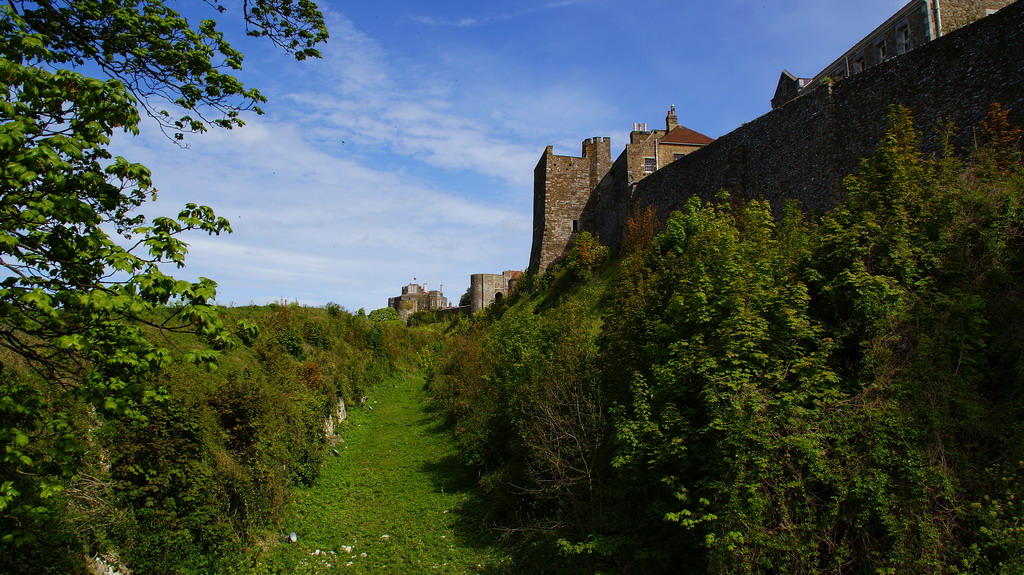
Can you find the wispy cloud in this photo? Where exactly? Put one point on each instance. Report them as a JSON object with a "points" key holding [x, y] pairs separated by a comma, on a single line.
{"points": [[373, 107], [314, 226], [472, 22], [461, 23]]}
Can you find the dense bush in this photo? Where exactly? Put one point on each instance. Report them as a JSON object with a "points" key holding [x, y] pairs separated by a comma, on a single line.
{"points": [[521, 391]]}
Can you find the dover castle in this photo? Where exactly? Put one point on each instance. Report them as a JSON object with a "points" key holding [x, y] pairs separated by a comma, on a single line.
{"points": [[942, 59]]}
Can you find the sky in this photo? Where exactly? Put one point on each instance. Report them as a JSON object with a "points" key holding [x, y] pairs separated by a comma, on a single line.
{"points": [[407, 152]]}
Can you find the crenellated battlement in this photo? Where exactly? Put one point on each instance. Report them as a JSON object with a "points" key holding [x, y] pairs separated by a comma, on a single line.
{"points": [[563, 184]]}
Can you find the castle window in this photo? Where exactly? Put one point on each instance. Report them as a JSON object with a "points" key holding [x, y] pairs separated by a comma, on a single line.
{"points": [[575, 225], [650, 165], [858, 65], [903, 44], [881, 51]]}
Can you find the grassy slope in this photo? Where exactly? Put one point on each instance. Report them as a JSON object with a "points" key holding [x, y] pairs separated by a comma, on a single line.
{"points": [[398, 475]]}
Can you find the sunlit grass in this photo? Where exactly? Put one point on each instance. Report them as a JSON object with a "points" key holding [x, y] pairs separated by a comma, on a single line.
{"points": [[395, 499]]}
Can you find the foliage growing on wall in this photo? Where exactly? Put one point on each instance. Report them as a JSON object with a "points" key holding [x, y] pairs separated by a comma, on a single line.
{"points": [[641, 227], [585, 254]]}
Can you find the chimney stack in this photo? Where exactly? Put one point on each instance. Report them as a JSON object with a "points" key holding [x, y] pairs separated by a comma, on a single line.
{"points": [[671, 121]]}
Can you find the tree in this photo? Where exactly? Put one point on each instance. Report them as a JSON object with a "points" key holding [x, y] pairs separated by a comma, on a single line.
{"points": [[158, 55], [384, 314], [83, 268]]}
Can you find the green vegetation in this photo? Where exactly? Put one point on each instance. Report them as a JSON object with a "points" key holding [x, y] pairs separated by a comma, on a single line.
{"points": [[423, 318], [196, 481], [751, 394], [740, 393], [383, 315], [395, 499], [83, 288]]}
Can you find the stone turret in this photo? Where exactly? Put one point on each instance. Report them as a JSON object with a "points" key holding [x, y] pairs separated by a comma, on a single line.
{"points": [[485, 289], [599, 153], [561, 189]]}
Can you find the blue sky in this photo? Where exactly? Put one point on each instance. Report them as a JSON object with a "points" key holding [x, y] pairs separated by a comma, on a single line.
{"points": [[408, 150]]}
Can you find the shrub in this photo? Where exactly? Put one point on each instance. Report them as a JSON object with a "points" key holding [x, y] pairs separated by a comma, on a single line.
{"points": [[586, 254], [384, 315]]}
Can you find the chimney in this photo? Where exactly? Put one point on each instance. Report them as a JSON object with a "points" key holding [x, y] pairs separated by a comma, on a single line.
{"points": [[671, 121]]}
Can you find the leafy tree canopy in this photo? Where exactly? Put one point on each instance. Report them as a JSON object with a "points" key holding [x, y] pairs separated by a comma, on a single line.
{"points": [[157, 54], [384, 314], [82, 277]]}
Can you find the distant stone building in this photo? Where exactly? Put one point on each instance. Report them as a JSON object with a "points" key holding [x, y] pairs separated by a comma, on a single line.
{"points": [[414, 298], [918, 22], [485, 289], [564, 186]]}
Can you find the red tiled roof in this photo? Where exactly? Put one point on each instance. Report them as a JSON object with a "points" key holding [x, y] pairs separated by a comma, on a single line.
{"points": [[684, 135]]}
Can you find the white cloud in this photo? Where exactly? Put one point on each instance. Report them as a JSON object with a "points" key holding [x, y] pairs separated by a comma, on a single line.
{"points": [[478, 128], [471, 22], [313, 226]]}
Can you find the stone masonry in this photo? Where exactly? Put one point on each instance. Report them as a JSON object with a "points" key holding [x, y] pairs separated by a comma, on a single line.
{"points": [[564, 186], [486, 289], [918, 22], [955, 14], [561, 189]]}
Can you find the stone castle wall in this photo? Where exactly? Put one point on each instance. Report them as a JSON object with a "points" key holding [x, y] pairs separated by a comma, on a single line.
{"points": [[608, 206], [958, 13], [562, 186], [804, 149]]}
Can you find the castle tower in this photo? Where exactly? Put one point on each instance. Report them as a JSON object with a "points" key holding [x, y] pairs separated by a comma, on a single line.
{"points": [[562, 186], [485, 289]]}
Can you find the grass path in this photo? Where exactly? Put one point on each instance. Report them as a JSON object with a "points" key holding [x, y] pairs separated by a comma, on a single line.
{"points": [[395, 500]]}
